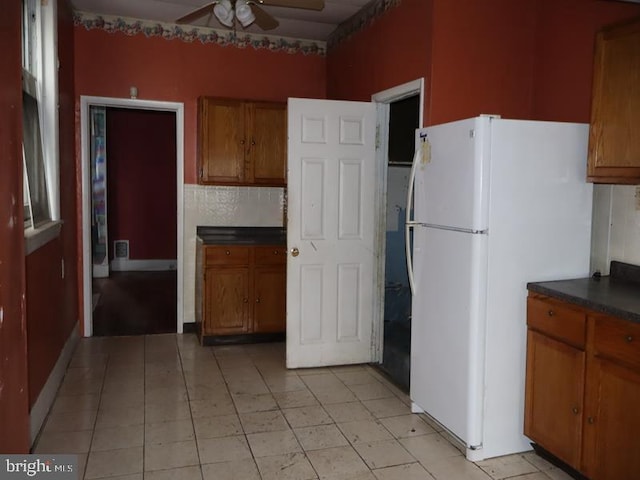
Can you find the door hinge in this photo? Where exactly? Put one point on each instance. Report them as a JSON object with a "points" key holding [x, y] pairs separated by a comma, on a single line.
{"points": [[378, 136]]}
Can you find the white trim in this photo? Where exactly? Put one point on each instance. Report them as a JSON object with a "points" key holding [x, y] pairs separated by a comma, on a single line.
{"points": [[48, 393], [178, 108], [50, 119], [383, 100], [155, 265], [399, 92], [34, 238]]}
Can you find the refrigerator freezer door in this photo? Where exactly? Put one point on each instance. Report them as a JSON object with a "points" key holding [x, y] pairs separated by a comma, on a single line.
{"points": [[447, 331], [451, 185]]}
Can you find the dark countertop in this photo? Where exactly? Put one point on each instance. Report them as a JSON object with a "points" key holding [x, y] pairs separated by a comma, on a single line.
{"points": [[617, 294], [242, 235]]}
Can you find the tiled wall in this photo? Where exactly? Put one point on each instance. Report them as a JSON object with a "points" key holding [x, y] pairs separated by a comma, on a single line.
{"points": [[223, 206], [616, 226]]}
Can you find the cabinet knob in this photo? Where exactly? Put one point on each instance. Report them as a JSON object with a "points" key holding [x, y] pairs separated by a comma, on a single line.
{"points": [[227, 252], [245, 300], [257, 300], [253, 142], [629, 338], [275, 252], [242, 142], [575, 410], [551, 313], [591, 420]]}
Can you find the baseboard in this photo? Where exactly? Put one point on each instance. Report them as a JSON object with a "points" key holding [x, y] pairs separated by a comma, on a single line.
{"points": [[48, 393], [128, 265], [189, 327], [209, 341]]}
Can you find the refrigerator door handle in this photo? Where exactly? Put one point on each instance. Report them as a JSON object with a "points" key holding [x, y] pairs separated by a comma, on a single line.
{"points": [[409, 222]]}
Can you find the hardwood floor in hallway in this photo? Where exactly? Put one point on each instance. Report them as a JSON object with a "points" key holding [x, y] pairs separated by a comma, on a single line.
{"points": [[135, 303]]}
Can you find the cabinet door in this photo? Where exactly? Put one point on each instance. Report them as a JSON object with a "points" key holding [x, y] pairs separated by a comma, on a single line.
{"points": [[270, 299], [226, 301], [267, 143], [612, 422], [554, 396], [221, 141], [614, 138]]}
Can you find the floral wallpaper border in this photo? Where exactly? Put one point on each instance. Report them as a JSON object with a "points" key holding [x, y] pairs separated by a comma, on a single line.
{"points": [[170, 31], [360, 21]]}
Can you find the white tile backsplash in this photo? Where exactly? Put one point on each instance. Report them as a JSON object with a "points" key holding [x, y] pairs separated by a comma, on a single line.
{"points": [[223, 206], [616, 226], [625, 225], [601, 228]]}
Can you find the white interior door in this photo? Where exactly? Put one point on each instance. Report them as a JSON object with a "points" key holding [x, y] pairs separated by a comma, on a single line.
{"points": [[330, 232]]}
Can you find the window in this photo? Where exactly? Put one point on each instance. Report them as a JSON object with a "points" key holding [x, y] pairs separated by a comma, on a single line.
{"points": [[36, 210], [39, 138]]}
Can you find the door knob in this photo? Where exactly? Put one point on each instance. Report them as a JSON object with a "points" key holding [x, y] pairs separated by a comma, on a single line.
{"points": [[295, 252]]}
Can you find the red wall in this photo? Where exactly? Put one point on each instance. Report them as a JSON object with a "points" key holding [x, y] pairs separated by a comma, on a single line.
{"points": [[521, 59], [14, 405], [141, 186], [107, 64], [564, 60], [45, 322], [482, 59], [475, 57], [69, 175], [395, 49]]}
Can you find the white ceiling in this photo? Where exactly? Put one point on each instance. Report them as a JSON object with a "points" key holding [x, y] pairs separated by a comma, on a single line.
{"points": [[296, 23]]}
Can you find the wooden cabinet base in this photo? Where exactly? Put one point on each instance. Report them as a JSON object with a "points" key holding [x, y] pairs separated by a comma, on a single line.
{"points": [[552, 459], [213, 340]]}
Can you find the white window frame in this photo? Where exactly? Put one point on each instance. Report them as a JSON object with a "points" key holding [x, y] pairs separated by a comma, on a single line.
{"points": [[44, 67]]}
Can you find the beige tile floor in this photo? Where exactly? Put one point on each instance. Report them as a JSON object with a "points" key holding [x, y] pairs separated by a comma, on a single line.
{"points": [[163, 407]]}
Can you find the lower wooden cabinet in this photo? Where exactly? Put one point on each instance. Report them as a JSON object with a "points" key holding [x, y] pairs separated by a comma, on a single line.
{"points": [[244, 290], [583, 388], [226, 301], [611, 439], [269, 312], [555, 393]]}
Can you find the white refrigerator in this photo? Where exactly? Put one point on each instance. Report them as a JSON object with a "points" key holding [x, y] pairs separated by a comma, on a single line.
{"points": [[496, 204]]}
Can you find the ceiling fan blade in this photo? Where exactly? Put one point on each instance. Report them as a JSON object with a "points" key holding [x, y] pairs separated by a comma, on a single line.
{"points": [[200, 12], [263, 19], [306, 4]]}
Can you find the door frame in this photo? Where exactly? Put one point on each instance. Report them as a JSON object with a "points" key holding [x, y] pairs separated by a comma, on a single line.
{"points": [[383, 101], [178, 108]]}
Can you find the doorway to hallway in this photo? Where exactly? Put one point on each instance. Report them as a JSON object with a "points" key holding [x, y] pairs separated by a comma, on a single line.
{"points": [[149, 258], [396, 359], [133, 178]]}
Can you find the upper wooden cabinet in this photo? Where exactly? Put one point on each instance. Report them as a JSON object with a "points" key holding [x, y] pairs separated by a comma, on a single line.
{"points": [[614, 138], [241, 142]]}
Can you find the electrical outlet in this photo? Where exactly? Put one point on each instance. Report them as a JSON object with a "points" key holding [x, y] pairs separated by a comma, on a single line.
{"points": [[637, 198]]}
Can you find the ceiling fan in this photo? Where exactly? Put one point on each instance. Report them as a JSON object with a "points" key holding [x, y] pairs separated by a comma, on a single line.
{"points": [[247, 12]]}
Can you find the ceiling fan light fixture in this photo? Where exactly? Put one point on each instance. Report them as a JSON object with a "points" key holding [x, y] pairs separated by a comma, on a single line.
{"points": [[224, 12], [244, 14]]}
